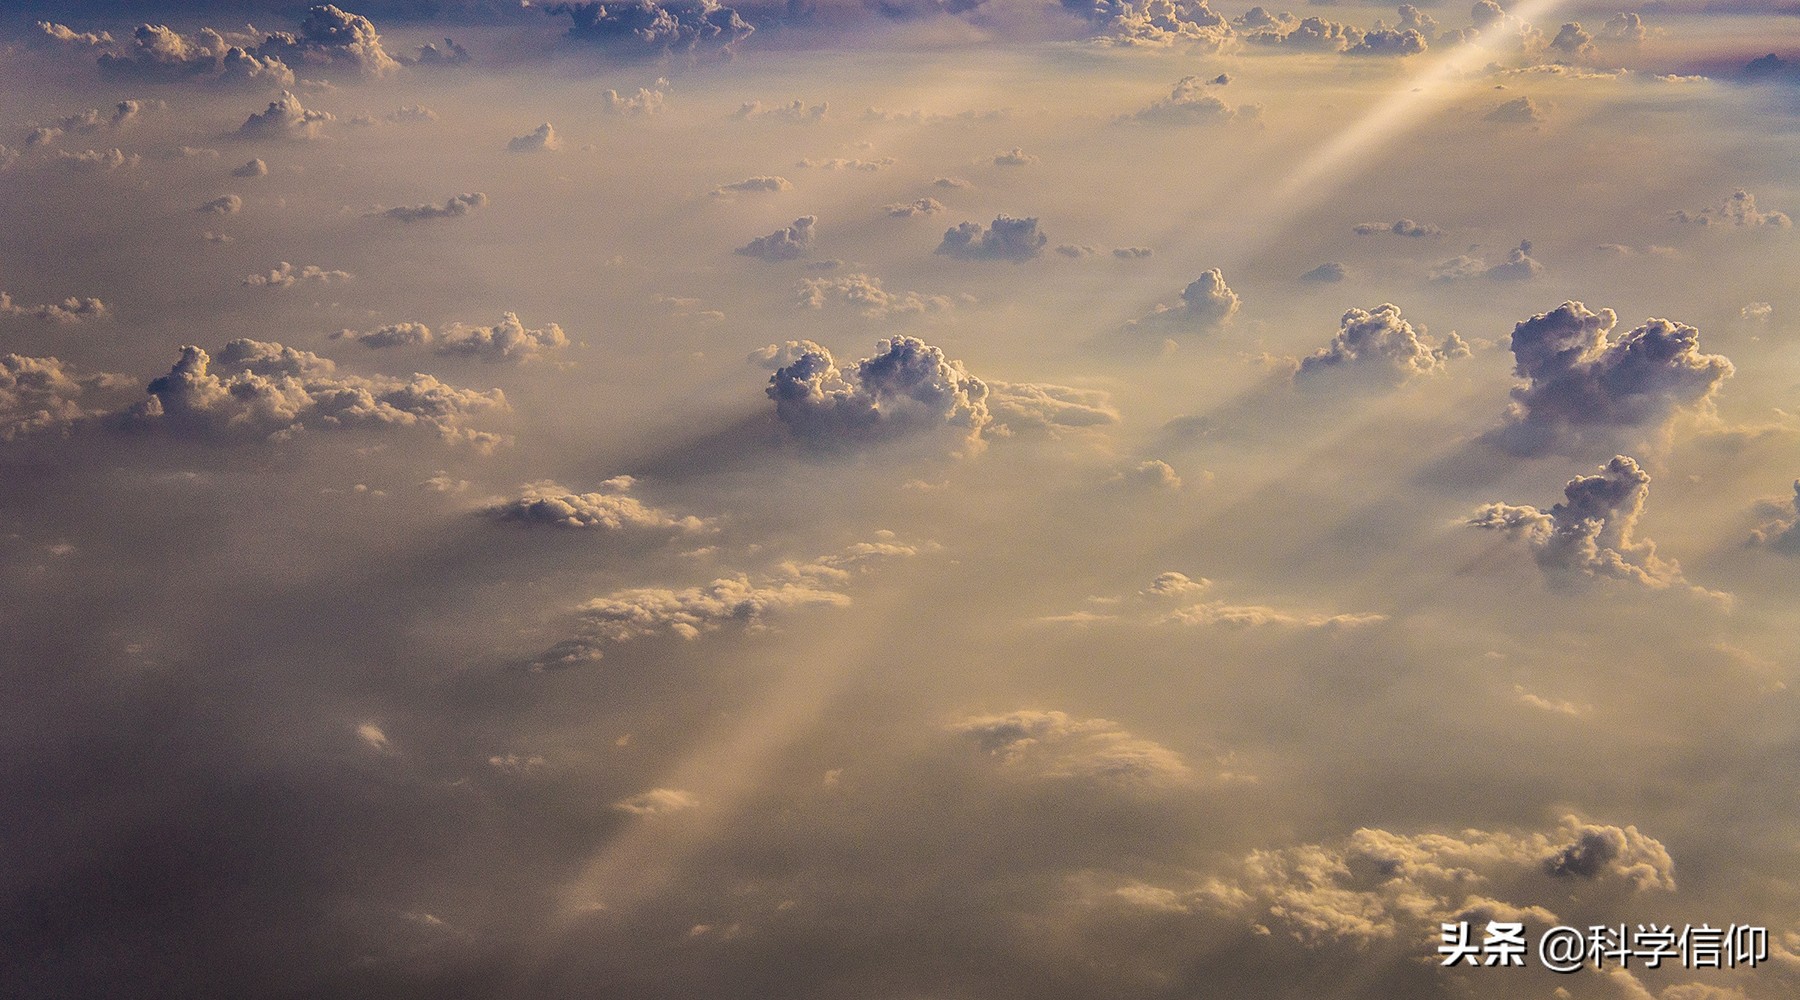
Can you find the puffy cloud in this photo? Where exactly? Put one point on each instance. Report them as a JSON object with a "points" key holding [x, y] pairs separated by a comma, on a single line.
{"points": [[87, 122], [1390, 42], [793, 111], [908, 209], [252, 168], [657, 802], [284, 119], [1014, 157], [1206, 303], [1592, 533], [1625, 26], [1579, 379], [266, 390], [96, 161], [1132, 253], [1018, 405], [537, 140], [951, 183], [284, 276], [865, 294], [751, 184], [39, 395], [1051, 745], [1380, 341], [1381, 886], [62, 34], [1783, 533], [1312, 34], [225, 204], [611, 508], [1329, 272], [68, 312], [1006, 239], [330, 37], [1737, 210], [454, 207], [1154, 23], [507, 340], [644, 102], [1173, 599], [1189, 104], [1399, 227], [788, 243], [392, 335], [1573, 40], [906, 387], [1154, 474], [650, 28], [157, 53], [1519, 265], [1518, 111], [839, 163]]}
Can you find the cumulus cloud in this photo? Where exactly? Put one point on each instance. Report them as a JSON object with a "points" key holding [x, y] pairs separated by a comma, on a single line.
{"points": [[87, 122], [1311, 34], [657, 802], [906, 387], [1625, 26], [644, 102], [157, 53], [507, 340], [1378, 886], [1174, 599], [793, 111], [1006, 239], [392, 335], [62, 34], [44, 395], [1574, 41], [225, 204], [1782, 534], [1739, 209], [1020, 405], [1592, 533], [1014, 157], [908, 209], [1052, 745], [69, 311], [1403, 41], [251, 168], [1379, 341], [285, 276], [265, 390], [1206, 303], [1580, 380], [284, 119], [610, 508], [538, 140], [1154, 23], [787, 243], [1189, 104], [93, 161], [454, 207], [752, 184], [330, 38], [1329, 272], [840, 163], [1519, 265], [650, 28], [865, 294], [431, 56], [1399, 227], [1518, 111]]}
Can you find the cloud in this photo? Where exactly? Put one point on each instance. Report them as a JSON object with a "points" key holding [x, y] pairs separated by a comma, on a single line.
{"points": [[1132, 253], [1399, 227], [263, 390], [788, 243], [252, 168], [88, 122], [906, 387], [752, 184], [649, 28], [64, 35], [1591, 534], [1625, 26], [68, 312], [1580, 380], [225, 204], [1014, 157], [96, 161], [431, 56], [507, 340], [284, 276], [1737, 210], [1574, 41], [1519, 265], [392, 335], [644, 102], [1380, 341], [610, 508], [456, 206], [1518, 111], [1329, 272], [794, 111], [159, 54], [657, 802], [1154, 23], [839, 163], [1051, 745], [285, 119], [952, 183], [864, 293], [1781, 534], [1006, 239], [538, 140], [1402, 41], [330, 38], [44, 395], [1206, 303], [1172, 599], [1189, 104], [1017, 405], [1312, 34], [908, 209]]}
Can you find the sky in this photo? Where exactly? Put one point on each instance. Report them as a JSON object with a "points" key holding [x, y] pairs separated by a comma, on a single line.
{"points": [[916, 500]]}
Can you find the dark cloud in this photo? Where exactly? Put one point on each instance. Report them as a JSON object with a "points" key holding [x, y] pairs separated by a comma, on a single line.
{"points": [[1737, 210], [455, 207], [610, 508], [1132, 253], [1581, 382], [1379, 341], [649, 28], [1399, 227], [906, 387], [329, 38], [1574, 41], [1329, 272], [788, 243], [1006, 239], [284, 119], [1592, 533], [1783, 533], [430, 55]]}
